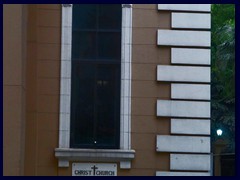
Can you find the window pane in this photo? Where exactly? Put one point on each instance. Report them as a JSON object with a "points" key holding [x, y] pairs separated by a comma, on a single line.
{"points": [[109, 45], [82, 103], [107, 102], [83, 45], [84, 16], [110, 16], [95, 88]]}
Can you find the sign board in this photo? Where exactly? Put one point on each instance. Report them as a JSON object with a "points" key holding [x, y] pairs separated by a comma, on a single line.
{"points": [[94, 169]]}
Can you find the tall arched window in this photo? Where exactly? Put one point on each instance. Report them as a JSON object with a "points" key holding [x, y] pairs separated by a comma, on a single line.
{"points": [[96, 73]]}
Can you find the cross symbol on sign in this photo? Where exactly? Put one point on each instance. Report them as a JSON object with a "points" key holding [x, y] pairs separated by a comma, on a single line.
{"points": [[94, 169]]}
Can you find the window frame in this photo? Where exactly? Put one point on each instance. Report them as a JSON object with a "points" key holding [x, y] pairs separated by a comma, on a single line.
{"points": [[98, 31], [124, 154]]}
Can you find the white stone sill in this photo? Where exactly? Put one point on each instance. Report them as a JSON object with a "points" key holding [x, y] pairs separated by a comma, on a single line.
{"points": [[65, 155]]}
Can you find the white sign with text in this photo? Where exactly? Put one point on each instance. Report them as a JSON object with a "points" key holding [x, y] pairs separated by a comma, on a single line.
{"points": [[94, 169]]}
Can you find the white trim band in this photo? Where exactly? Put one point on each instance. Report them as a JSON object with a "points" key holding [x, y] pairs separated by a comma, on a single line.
{"points": [[190, 162], [191, 91], [189, 144], [185, 7], [191, 21], [184, 38], [190, 56], [190, 126], [190, 109], [183, 73]]}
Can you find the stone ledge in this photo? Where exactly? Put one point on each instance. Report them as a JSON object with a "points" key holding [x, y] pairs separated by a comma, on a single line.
{"points": [[65, 155]]}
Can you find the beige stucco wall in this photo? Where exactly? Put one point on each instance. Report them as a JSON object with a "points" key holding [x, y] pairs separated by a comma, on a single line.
{"points": [[14, 88], [43, 72], [43, 89], [146, 55]]}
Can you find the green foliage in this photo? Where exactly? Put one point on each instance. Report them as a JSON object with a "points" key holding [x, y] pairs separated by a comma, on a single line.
{"points": [[223, 72]]}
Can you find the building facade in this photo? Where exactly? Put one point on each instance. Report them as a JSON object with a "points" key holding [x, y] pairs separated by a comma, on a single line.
{"points": [[106, 89]]}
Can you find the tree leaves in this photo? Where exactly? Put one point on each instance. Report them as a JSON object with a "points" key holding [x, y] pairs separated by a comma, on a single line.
{"points": [[223, 72]]}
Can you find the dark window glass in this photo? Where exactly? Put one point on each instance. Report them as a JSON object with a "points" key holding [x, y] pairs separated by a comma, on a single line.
{"points": [[109, 46], [95, 87], [82, 106], [109, 16], [107, 98], [86, 16], [84, 45]]}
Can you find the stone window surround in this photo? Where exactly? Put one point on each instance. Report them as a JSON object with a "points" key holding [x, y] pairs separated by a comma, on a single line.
{"points": [[64, 153]]}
